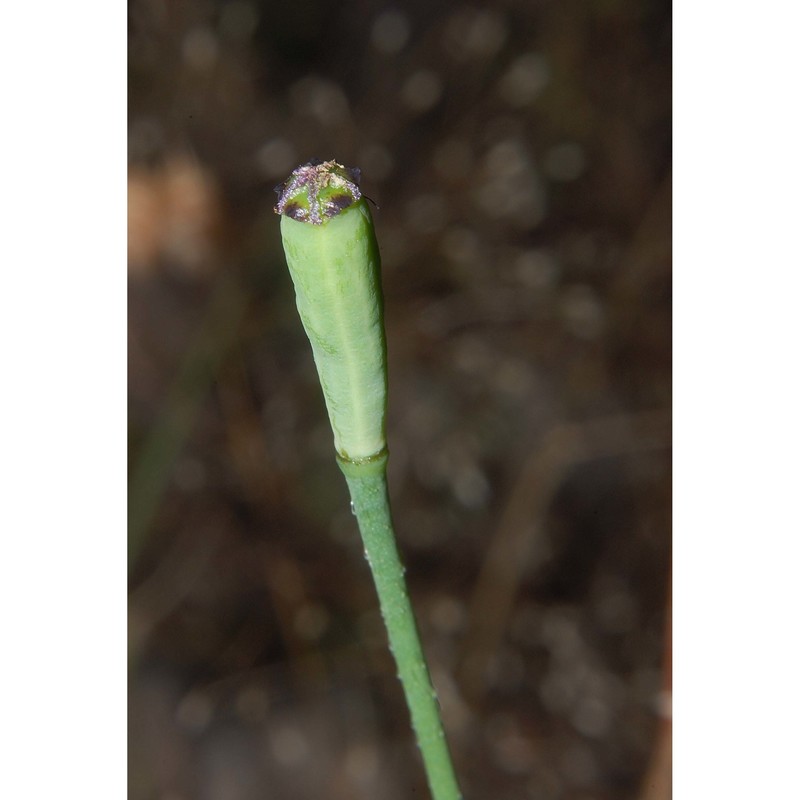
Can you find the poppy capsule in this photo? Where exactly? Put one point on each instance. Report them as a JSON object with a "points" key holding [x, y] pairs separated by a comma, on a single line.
{"points": [[329, 241]]}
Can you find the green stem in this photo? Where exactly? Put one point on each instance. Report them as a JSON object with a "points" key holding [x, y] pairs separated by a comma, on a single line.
{"points": [[368, 491]]}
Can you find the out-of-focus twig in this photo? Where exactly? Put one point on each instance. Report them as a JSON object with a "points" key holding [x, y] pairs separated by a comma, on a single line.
{"points": [[165, 588], [657, 782], [151, 471], [517, 545]]}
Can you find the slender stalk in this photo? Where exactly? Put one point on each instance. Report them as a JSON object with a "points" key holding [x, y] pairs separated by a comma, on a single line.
{"points": [[369, 493]]}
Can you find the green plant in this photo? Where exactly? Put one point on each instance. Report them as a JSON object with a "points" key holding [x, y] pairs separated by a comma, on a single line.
{"points": [[329, 241]]}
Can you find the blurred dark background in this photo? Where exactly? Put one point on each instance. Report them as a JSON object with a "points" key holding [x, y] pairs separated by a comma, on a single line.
{"points": [[519, 156]]}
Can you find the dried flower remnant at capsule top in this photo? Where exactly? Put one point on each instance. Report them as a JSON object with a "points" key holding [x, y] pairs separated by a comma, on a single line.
{"points": [[318, 191]]}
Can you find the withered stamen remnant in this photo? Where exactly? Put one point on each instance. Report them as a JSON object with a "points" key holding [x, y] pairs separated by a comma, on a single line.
{"points": [[318, 191]]}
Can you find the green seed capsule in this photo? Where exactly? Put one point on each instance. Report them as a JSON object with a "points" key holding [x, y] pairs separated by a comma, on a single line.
{"points": [[333, 258]]}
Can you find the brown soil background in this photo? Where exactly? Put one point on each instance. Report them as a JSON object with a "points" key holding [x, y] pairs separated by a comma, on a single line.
{"points": [[519, 156]]}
